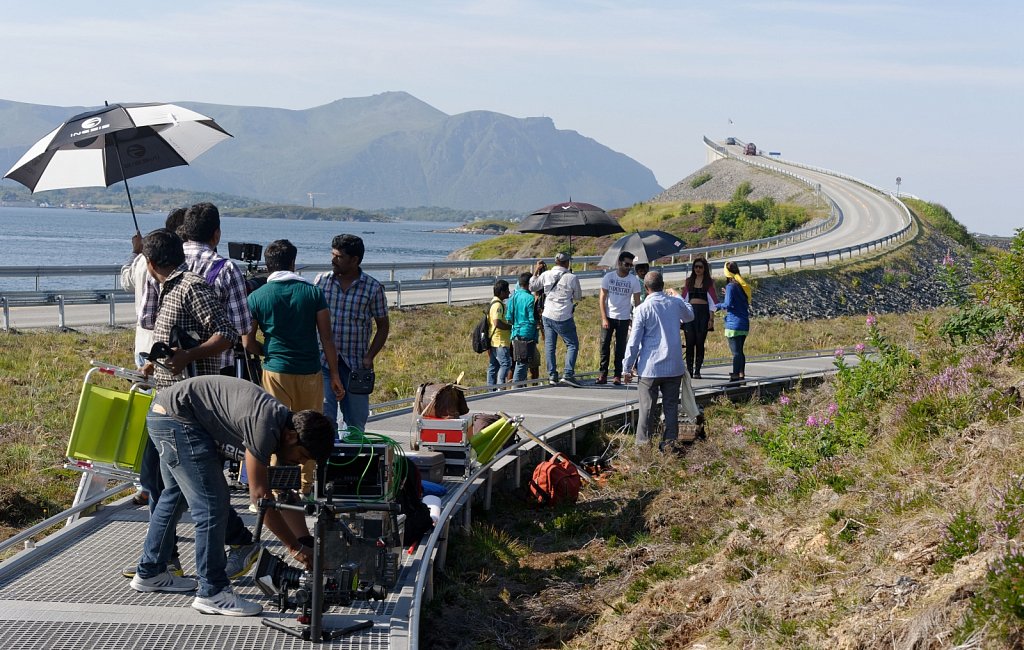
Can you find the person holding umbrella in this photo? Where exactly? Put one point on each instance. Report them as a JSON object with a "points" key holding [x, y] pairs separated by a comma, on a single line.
{"points": [[620, 292], [561, 291]]}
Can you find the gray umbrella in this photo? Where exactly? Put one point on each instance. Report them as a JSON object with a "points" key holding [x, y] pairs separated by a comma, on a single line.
{"points": [[646, 245], [570, 218]]}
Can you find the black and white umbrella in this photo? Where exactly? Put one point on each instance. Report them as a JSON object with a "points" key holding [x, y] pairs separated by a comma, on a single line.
{"points": [[645, 245], [571, 218], [111, 144]]}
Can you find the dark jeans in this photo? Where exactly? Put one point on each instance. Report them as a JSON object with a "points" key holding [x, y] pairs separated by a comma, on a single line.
{"points": [[620, 328], [739, 360], [696, 333], [152, 482], [193, 475]]}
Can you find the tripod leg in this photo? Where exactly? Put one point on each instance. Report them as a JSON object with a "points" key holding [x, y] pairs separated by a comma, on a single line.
{"points": [[349, 629]]}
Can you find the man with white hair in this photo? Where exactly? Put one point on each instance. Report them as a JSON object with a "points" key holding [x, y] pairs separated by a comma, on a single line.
{"points": [[655, 352]]}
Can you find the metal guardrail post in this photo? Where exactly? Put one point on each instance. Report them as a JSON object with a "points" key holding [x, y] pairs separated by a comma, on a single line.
{"points": [[60, 311], [449, 291], [7, 313], [113, 314], [399, 292]]}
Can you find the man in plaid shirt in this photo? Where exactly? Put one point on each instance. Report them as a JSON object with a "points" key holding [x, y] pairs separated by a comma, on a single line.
{"points": [[357, 303], [201, 230], [186, 301]]}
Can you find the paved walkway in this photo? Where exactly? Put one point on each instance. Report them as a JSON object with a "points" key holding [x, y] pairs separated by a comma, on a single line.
{"points": [[68, 592]]}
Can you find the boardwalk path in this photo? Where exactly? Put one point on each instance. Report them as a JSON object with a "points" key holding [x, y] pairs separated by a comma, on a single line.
{"points": [[68, 592]]}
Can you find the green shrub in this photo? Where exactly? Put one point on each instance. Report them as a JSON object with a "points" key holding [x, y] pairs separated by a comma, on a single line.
{"points": [[1000, 605], [960, 539], [700, 180]]}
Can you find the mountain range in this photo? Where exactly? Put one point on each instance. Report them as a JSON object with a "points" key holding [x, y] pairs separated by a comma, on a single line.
{"points": [[387, 150]]}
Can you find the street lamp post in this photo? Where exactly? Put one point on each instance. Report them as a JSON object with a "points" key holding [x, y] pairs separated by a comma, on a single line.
{"points": [[898, 181]]}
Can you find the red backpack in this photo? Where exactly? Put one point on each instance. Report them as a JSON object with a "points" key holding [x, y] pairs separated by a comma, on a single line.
{"points": [[555, 481]]}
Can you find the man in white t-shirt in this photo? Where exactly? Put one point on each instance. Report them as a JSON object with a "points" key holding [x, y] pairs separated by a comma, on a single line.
{"points": [[561, 291], [620, 292]]}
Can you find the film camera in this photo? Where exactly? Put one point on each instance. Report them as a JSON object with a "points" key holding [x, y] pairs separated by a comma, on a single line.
{"points": [[255, 277], [355, 557]]}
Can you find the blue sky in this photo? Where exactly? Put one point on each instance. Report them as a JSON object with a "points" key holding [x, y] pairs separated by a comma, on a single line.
{"points": [[932, 92]]}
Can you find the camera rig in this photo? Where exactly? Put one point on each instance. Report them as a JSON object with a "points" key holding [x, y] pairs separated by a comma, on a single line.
{"points": [[355, 557]]}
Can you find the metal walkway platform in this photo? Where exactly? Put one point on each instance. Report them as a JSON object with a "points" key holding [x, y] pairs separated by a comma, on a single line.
{"points": [[67, 591]]}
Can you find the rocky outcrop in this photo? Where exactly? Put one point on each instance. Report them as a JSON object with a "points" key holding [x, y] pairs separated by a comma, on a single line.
{"points": [[907, 279]]}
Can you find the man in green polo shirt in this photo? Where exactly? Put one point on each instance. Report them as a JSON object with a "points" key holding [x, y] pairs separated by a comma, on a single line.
{"points": [[291, 312]]}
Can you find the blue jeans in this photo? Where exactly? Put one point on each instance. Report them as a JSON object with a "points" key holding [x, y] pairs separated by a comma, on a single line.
{"points": [[523, 365], [152, 482], [739, 360], [567, 330], [499, 365], [355, 409], [193, 475]]}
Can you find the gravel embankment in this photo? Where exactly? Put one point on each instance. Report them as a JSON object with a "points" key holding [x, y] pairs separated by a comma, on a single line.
{"points": [[726, 175]]}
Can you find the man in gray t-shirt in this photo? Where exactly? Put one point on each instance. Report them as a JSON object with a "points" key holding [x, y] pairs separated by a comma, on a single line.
{"points": [[194, 424]]}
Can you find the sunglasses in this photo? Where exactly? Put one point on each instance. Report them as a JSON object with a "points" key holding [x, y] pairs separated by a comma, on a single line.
{"points": [[698, 266], [626, 264]]}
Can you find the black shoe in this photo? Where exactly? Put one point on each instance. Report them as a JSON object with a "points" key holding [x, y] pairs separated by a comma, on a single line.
{"points": [[571, 381], [696, 375]]}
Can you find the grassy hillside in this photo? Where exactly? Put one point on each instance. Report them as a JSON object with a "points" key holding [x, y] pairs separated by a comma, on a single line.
{"points": [[884, 508], [705, 224]]}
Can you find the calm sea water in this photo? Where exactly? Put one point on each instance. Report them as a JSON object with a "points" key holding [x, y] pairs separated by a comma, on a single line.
{"points": [[59, 237]]}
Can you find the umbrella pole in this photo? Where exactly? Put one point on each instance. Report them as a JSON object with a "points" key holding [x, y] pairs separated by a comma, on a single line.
{"points": [[131, 205]]}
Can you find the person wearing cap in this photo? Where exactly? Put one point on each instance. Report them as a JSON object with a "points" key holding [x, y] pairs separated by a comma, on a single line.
{"points": [[561, 291]]}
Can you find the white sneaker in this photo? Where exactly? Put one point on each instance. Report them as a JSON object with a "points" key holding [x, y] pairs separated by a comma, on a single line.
{"points": [[227, 603], [164, 582]]}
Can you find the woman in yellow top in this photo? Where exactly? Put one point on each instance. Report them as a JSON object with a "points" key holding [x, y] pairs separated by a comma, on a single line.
{"points": [[500, 354]]}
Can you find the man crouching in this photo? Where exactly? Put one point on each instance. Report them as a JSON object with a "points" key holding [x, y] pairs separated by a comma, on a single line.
{"points": [[194, 424]]}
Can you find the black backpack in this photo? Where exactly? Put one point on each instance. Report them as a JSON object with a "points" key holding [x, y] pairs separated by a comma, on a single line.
{"points": [[482, 335]]}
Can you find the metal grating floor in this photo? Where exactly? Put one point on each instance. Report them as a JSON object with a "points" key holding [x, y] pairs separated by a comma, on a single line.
{"points": [[72, 595], [50, 635]]}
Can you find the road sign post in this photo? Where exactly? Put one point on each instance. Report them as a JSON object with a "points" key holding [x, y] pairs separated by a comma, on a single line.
{"points": [[898, 181]]}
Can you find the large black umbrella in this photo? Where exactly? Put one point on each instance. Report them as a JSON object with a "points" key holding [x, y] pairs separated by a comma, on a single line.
{"points": [[646, 245], [104, 146], [572, 218]]}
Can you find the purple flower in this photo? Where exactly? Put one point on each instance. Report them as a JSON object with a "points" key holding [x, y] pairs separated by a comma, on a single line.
{"points": [[871, 320], [784, 400], [947, 260], [825, 422], [833, 408], [840, 352], [859, 348], [812, 421], [738, 428]]}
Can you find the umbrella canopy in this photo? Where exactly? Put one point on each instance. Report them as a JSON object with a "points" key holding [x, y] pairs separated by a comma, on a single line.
{"points": [[646, 245], [572, 218], [101, 147]]}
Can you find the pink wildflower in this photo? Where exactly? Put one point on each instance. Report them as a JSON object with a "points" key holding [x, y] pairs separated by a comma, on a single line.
{"points": [[825, 422], [738, 428], [859, 348], [871, 320], [784, 400], [833, 408], [812, 421], [840, 352]]}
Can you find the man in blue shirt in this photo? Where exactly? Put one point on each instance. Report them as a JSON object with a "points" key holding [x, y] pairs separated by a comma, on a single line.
{"points": [[521, 315], [655, 351]]}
